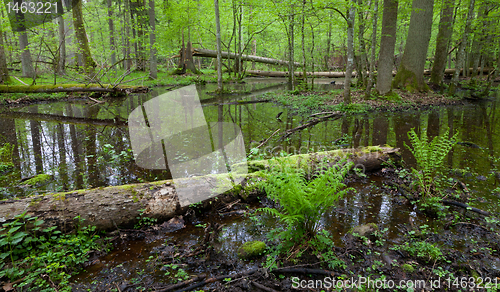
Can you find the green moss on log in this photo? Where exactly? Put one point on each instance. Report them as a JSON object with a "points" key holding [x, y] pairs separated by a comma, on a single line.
{"points": [[64, 87]]}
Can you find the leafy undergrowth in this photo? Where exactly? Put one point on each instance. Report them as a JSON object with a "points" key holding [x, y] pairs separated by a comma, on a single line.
{"points": [[36, 259], [316, 101]]}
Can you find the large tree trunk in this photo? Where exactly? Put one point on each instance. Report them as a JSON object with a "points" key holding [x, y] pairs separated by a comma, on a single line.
{"points": [[126, 16], [26, 61], [81, 36], [111, 26], [411, 71], [4, 72], [119, 206], [153, 63], [350, 53], [387, 44], [461, 50], [372, 56], [442, 41]]}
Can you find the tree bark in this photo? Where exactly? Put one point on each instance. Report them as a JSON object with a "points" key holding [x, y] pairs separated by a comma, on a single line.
{"points": [[61, 66], [126, 16], [153, 63], [291, 45], [83, 42], [111, 26], [362, 47], [461, 50], [219, 48], [26, 61], [118, 206], [350, 53], [4, 72], [387, 44], [442, 42], [410, 74], [369, 85]]}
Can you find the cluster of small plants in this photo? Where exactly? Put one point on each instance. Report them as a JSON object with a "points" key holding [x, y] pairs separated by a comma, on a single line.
{"points": [[37, 259]]}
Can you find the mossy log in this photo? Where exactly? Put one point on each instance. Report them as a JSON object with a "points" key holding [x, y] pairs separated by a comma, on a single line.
{"points": [[71, 88], [119, 206]]}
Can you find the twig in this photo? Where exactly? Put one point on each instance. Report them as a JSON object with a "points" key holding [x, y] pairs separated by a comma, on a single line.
{"points": [[20, 80], [467, 223], [219, 278], [116, 285], [95, 100], [182, 284], [265, 141], [467, 207], [308, 124], [262, 287]]}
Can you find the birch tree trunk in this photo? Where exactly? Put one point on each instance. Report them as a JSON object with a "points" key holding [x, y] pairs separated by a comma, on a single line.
{"points": [[369, 85], [350, 53], [153, 62], [461, 50], [387, 44], [411, 71], [442, 42]]}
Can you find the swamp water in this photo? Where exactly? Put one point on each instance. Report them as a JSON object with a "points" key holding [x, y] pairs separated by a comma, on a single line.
{"points": [[82, 144]]}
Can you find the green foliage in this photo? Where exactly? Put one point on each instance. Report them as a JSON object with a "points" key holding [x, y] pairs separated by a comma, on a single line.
{"points": [[430, 157], [6, 157], [39, 258], [303, 203], [421, 249], [144, 220]]}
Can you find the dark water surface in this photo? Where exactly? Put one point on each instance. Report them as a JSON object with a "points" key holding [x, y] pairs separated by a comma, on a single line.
{"points": [[83, 144]]}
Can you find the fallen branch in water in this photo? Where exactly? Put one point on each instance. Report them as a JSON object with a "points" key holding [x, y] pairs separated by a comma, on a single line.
{"points": [[265, 141], [309, 124], [465, 206]]}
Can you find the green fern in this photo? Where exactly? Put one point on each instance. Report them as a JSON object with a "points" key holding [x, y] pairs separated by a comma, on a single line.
{"points": [[430, 157], [303, 203]]}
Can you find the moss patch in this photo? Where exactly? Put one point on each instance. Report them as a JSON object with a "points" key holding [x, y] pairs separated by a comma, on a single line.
{"points": [[38, 179], [251, 249]]}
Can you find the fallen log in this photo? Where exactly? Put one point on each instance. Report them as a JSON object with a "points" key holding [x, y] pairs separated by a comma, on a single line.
{"points": [[119, 206], [71, 88], [335, 74], [252, 58]]}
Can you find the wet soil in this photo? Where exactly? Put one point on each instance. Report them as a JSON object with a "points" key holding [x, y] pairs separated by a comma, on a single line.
{"points": [[197, 251]]}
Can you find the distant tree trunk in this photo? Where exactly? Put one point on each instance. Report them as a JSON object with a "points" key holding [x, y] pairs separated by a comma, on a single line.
{"points": [[219, 48], [477, 44], [411, 71], [111, 26], [61, 66], [372, 56], [387, 44], [126, 15], [350, 53], [461, 50], [81, 36], [254, 52], [153, 63], [328, 43], [26, 61], [4, 72], [362, 47], [291, 53], [442, 42]]}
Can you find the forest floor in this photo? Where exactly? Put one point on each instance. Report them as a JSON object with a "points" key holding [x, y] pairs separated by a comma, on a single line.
{"points": [[450, 250]]}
